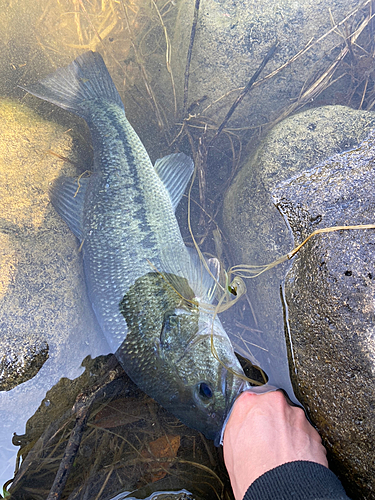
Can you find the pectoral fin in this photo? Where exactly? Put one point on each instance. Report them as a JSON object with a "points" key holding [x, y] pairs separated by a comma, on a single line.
{"points": [[175, 172], [67, 197], [203, 276]]}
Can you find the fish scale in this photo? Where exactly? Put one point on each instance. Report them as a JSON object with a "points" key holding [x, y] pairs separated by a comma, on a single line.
{"points": [[146, 288], [134, 233]]}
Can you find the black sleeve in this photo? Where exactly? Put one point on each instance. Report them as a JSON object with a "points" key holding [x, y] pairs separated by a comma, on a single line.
{"points": [[298, 481]]}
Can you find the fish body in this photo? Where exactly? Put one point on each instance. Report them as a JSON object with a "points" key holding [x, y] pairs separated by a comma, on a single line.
{"points": [[146, 288]]}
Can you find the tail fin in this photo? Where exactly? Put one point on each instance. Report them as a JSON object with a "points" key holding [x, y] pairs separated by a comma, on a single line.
{"points": [[85, 79]]}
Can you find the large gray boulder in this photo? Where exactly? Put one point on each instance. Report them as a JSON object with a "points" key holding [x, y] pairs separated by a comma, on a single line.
{"points": [[232, 39], [316, 170], [47, 326]]}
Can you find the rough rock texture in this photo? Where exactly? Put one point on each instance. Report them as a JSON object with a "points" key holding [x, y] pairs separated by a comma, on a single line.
{"points": [[42, 289], [231, 41], [327, 290], [47, 326]]}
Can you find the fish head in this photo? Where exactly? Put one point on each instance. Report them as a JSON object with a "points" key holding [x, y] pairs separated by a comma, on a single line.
{"points": [[179, 353], [199, 358]]}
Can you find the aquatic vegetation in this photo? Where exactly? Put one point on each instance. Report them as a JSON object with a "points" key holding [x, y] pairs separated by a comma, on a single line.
{"points": [[251, 271], [128, 442]]}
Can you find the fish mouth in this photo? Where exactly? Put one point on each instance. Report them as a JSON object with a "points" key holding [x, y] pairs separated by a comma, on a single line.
{"points": [[237, 384], [237, 387]]}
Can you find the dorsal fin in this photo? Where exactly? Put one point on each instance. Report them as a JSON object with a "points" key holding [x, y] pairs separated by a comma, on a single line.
{"points": [[67, 197], [200, 279], [175, 172]]}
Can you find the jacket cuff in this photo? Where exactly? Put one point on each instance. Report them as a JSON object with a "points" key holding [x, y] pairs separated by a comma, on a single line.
{"points": [[300, 480]]}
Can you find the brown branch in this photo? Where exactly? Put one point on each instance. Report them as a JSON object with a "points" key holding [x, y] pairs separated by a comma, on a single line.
{"points": [[245, 91], [188, 61], [81, 409]]}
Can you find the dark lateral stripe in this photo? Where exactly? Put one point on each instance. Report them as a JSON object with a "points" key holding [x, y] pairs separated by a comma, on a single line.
{"points": [[117, 137]]}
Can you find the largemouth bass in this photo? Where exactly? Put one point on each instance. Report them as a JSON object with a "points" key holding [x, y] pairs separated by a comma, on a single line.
{"points": [[146, 288]]}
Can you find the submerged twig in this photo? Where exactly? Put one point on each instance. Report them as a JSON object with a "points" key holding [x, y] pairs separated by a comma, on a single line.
{"points": [[323, 81], [245, 90], [81, 410], [190, 51], [146, 82], [168, 55], [84, 405]]}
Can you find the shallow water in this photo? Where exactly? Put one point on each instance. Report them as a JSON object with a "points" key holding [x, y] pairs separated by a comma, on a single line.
{"points": [[42, 291]]}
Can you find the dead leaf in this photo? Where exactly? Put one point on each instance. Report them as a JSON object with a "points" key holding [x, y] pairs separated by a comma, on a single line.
{"points": [[164, 447]]}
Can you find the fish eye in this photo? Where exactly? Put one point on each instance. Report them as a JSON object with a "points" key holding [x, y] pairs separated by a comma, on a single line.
{"points": [[205, 391]]}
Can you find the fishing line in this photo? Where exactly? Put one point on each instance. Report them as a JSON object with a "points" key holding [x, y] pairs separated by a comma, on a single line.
{"points": [[237, 287], [251, 271]]}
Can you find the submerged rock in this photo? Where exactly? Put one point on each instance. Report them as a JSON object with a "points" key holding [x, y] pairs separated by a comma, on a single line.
{"points": [[42, 291], [232, 39], [21, 359], [316, 170], [47, 326]]}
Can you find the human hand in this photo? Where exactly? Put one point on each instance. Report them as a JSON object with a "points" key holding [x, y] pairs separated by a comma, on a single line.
{"points": [[263, 432]]}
